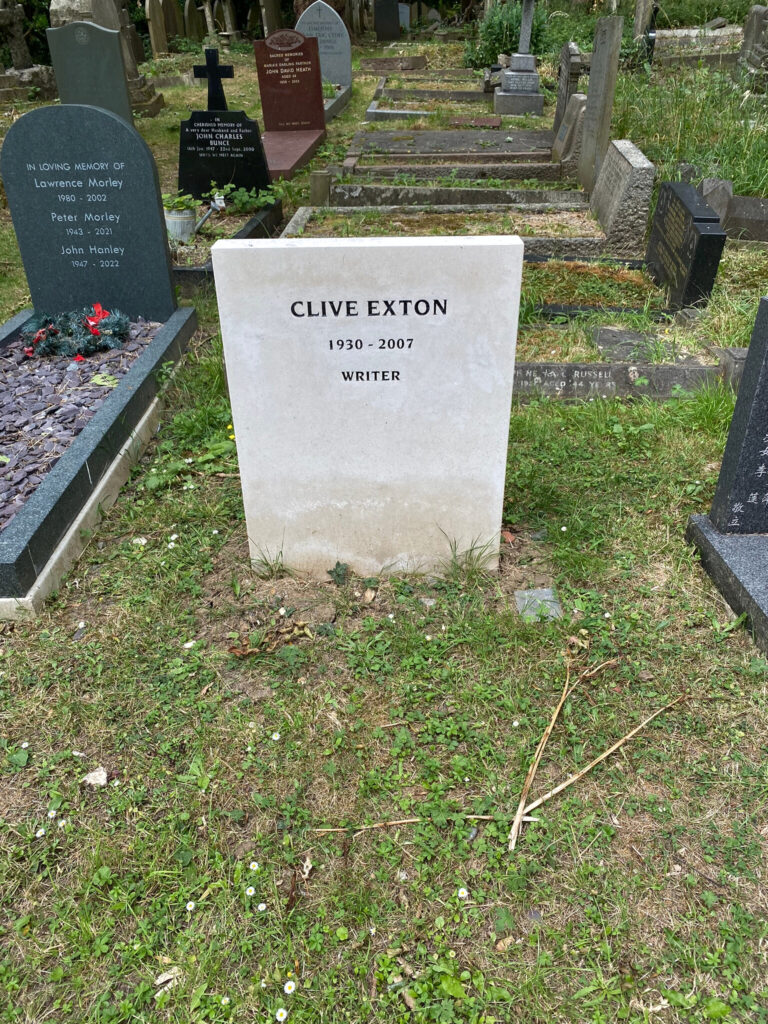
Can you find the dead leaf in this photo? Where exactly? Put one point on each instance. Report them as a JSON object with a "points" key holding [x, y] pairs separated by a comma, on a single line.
{"points": [[503, 944], [96, 778], [369, 596]]}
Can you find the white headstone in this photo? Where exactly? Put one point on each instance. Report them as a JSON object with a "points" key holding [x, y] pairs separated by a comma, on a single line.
{"points": [[320, 20], [371, 382]]}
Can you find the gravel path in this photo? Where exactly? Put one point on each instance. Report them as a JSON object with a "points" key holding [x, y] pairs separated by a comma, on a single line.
{"points": [[44, 404]]}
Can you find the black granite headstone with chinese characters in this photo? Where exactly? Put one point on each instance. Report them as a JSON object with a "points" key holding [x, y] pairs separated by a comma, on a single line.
{"points": [[222, 147], [84, 197], [740, 504], [685, 246], [214, 72], [732, 540]]}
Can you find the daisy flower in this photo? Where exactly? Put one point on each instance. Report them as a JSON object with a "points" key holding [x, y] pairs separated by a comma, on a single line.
{"points": [[282, 1013], [191, 906], [462, 893], [289, 987]]}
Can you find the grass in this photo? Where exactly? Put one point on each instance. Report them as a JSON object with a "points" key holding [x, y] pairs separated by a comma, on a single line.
{"points": [[236, 711]]}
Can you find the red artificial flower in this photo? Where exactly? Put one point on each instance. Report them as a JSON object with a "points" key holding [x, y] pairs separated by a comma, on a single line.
{"points": [[79, 358], [29, 352], [99, 314]]}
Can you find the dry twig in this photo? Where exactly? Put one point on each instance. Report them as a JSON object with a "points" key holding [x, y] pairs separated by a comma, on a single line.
{"points": [[403, 821], [514, 832], [603, 756]]}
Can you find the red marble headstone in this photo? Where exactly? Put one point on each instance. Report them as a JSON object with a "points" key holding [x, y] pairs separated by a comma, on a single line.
{"points": [[288, 66]]}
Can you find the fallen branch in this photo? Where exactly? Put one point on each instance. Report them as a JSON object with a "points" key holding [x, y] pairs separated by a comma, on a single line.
{"points": [[603, 756], [514, 832], [403, 821]]}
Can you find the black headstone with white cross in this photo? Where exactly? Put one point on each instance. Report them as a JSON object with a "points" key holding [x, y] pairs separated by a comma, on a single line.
{"points": [[214, 73]]}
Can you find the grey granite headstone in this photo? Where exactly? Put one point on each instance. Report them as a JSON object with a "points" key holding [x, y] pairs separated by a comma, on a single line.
{"points": [[754, 49], [567, 80], [85, 201], [621, 198], [643, 11], [320, 20], [602, 85], [88, 63]]}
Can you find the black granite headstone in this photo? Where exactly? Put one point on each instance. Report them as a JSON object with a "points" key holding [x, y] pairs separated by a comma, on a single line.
{"points": [[740, 504], [223, 147], [214, 72], [685, 246], [88, 64], [85, 201], [386, 20]]}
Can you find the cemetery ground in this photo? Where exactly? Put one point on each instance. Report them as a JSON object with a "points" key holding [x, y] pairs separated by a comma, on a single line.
{"points": [[233, 715]]}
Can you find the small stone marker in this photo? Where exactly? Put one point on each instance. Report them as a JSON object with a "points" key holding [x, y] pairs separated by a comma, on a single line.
{"points": [[733, 539], [621, 199], [386, 20], [84, 197], [324, 24], [519, 90], [538, 604], [685, 246], [288, 67], [221, 146], [88, 63], [602, 86], [567, 80], [338, 388], [214, 73]]}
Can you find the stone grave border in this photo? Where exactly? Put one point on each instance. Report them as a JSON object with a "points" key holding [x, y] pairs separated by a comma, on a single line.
{"points": [[375, 112], [261, 225], [46, 535], [534, 200], [429, 167], [333, 105]]}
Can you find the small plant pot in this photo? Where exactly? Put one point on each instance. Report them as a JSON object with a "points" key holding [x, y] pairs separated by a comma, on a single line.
{"points": [[180, 224]]}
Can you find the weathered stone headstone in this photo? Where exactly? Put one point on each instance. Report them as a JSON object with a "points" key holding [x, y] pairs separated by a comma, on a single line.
{"points": [[370, 332], [621, 198], [685, 246], [221, 147], [218, 16], [324, 24], [84, 196], [602, 85], [567, 80], [404, 14], [386, 20], [643, 10], [172, 18], [571, 126], [291, 87], [754, 49], [194, 24], [158, 38], [733, 539], [519, 90], [526, 26], [88, 62], [111, 15], [214, 73]]}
